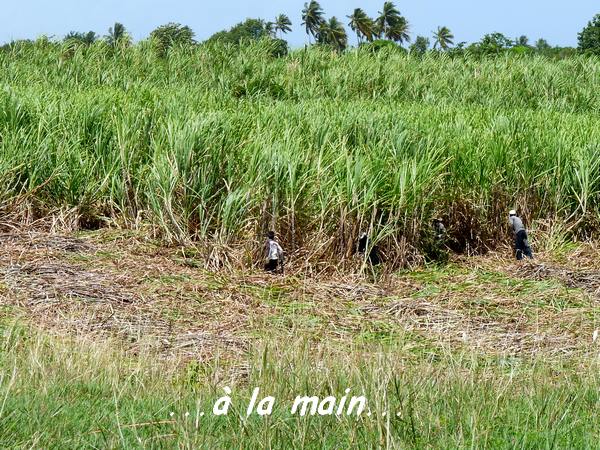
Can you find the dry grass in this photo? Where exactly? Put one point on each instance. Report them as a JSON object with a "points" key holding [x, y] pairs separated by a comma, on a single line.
{"points": [[110, 284]]}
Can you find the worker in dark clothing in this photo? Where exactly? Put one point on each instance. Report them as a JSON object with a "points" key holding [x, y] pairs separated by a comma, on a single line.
{"points": [[274, 254], [363, 245], [522, 247], [439, 229], [435, 247]]}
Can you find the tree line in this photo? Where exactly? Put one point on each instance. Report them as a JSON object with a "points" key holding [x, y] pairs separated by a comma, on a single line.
{"points": [[388, 28]]}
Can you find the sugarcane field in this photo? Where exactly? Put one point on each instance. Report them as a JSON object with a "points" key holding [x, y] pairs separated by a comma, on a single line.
{"points": [[312, 232]]}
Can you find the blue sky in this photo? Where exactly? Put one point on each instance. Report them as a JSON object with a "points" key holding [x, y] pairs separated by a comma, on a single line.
{"points": [[557, 21]]}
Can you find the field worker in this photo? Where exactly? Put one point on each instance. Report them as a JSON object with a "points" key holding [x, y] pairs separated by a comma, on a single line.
{"points": [[437, 250], [363, 243], [439, 229], [274, 254], [521, 243]]}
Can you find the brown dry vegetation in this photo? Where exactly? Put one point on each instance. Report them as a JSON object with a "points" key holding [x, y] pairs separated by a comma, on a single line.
{"points": [[113, 284]]}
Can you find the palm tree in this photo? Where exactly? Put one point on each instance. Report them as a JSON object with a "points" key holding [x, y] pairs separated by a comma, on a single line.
{"points": [[270, 29], [399, 31], [388, 17], [443, 37], [117, 34], [391, 24], [283, 24], [90, 37], [332, 33], [312, 18], [362, 25]]}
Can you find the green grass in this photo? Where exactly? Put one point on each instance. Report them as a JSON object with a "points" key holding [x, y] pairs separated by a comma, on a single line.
{"points": [[57, 393]]}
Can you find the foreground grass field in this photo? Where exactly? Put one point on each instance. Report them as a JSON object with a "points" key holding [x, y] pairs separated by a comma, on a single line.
{"points": [[59, 394], [113, 340]]}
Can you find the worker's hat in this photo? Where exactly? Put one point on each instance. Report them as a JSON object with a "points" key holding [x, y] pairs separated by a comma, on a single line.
{"points": [[512, 212]]}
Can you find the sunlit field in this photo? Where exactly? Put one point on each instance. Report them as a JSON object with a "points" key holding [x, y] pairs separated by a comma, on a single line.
{"points": [[137, 190]]}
